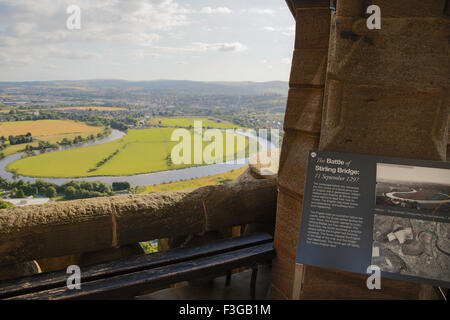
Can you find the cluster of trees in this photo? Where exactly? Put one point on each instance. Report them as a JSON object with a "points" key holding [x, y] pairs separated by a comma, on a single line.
{"points": [[22, 189], [19, 139], [104, 160], [85, 189], [119, 125], [5, 204], [119, 186], [80, 139], [70, 190], [169, 160]]}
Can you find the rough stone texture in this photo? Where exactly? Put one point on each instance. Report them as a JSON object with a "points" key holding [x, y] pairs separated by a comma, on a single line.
{"points": [[308, 67], [65, 228], [265, 164], [411, 8], [58, 263], [235, 204], [379, 80], [318, 21], [18, 270], [372, 120], [301, 112], [393, 8], [55, 229], [386, 94], [302, 125], [323, 283], [296, 147], [286, 239], [351, 8], [160, 215]]}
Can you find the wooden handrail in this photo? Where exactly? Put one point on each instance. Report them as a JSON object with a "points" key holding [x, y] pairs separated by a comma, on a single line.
{"points": [[64, 228]]}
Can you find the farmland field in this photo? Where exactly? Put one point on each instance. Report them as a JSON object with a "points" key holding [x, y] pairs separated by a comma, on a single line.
{"points": [[186, 122], [140, 151], [45, 130]]}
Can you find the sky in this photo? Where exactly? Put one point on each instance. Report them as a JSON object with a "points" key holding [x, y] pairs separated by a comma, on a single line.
{"points": [[203, 40]]}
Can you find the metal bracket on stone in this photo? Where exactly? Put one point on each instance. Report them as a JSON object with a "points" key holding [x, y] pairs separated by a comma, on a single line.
{"points": [[333, 4]]}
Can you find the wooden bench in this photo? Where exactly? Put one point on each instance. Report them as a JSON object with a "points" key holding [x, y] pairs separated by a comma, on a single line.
{"points": [[127, 278]]}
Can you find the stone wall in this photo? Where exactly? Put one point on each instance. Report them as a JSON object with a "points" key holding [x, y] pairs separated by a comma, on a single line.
{"points": [[386, 93], [76, 227]]}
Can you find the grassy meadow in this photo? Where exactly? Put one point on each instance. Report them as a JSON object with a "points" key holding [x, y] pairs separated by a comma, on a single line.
{"points": [[140, 151]]}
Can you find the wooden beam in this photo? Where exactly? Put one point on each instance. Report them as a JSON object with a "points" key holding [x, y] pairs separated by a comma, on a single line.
{"points": [[51, 280], [131, 284]]}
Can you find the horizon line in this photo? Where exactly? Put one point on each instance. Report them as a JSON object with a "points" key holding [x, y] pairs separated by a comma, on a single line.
{"points": [[154, 80]]}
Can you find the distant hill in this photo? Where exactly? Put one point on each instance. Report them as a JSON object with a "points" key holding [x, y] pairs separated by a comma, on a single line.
{"points": [[161, 86]]}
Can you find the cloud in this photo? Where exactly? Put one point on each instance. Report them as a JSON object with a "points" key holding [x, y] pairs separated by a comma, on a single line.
{"points": [[261, 11], [221, 47], [287, 31], [40, 26], [206, 47], [209, 10], [73, 54]]}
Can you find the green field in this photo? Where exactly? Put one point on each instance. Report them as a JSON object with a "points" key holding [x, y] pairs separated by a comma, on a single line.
{"points": [[187, 122], [140, 151]]}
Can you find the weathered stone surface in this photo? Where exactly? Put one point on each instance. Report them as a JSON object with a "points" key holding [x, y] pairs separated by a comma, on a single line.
{"points": [[393, 8], [265, 164], [302, 126], [286, 230], [313, 28], [323, 283], [239, 204], [293, 160], [351, 8], [405, 52], [289, 210], [410, 8], [304, 109], [386, 94], [18, 270], [54, 229], [58, 263], [246, 176], [57, 229], [308, 67], [371, 120], [160, 215]]}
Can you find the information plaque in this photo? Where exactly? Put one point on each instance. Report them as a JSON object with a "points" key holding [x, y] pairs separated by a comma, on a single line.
{"points": [[361, 211]]}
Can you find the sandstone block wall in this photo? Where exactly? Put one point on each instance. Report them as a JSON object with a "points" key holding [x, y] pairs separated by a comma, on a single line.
{"points": [[386, 93], [302, 131]]}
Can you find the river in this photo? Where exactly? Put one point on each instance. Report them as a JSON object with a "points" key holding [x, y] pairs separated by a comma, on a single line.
{"points": [[144, 179], [393, 196]]}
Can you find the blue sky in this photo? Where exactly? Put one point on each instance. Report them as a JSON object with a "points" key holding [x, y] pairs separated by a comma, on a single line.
{"points": [[206, 40]]}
